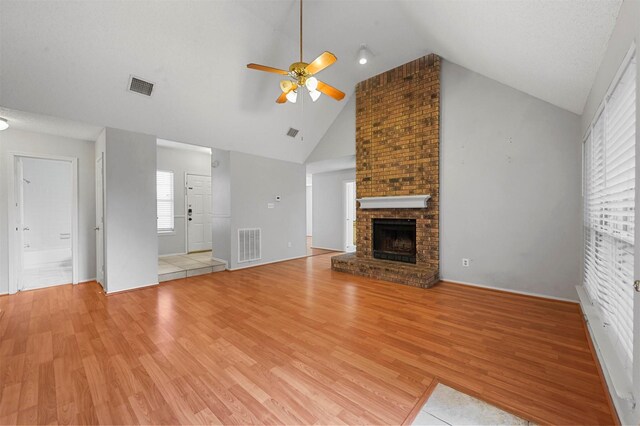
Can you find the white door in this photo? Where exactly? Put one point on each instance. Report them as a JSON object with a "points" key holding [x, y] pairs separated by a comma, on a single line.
{"points": [[100, 221], [350, 213], [45, 212], [199, 211]]}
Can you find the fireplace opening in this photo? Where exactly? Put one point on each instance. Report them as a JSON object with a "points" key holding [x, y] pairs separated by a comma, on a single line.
{"points": [[395, 239]]}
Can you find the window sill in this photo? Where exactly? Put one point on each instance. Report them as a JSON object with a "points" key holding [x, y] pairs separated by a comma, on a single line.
{"points": [[166, 233]]}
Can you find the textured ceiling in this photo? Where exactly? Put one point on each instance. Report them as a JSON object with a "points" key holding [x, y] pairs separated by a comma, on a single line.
{"points": [[73, 59]]}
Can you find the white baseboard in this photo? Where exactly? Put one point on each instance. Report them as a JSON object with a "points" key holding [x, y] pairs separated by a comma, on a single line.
{"points": [[87, 280], [268, 263], [160, 256], [327, 248], [508, 290], [131, 288]]}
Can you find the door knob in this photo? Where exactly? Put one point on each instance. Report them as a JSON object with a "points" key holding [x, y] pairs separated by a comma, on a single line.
{"points": [[636, 285], [26, 228], [97, 228], [190, 219]]}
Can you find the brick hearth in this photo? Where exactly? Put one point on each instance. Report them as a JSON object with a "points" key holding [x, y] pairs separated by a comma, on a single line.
{"points": [[397, 153]]}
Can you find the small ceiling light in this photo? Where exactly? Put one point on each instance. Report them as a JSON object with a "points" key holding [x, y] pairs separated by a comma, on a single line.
{"points": [[4, 124], [312, 84], [292, 96], [363, 55], [315, 94]]}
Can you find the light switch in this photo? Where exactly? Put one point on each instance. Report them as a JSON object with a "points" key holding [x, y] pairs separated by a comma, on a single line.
{"points": [[270, 205]]}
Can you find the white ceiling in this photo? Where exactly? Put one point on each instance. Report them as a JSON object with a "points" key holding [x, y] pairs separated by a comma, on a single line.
{"points": [[73, 59], [39, 123]]}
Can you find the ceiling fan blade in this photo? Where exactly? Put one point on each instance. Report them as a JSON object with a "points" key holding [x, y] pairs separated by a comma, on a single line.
{"points": [[330, 91], [282, 98], [321, 62], [267, 69]]}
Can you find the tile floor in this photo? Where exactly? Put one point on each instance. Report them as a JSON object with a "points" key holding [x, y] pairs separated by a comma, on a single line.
{"points": [[447, 406], [187, 265]]}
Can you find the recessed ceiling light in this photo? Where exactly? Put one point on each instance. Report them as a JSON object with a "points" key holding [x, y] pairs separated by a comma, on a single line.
{"points": [[363, 55], [4, 124]]}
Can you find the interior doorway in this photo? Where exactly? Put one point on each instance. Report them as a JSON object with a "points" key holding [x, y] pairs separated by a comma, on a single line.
{"points": [[199, 212], [43, 213], [350, 216]]}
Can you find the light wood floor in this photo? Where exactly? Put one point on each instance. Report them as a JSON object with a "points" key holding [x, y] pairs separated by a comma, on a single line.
{"points": [[290, 343]]}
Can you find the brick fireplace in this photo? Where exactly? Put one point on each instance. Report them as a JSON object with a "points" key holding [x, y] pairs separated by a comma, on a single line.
{"points": [[397, 154]]}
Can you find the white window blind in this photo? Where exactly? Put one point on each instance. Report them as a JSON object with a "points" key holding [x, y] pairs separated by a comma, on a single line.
{"points": [[164, 191], [609, 217]]}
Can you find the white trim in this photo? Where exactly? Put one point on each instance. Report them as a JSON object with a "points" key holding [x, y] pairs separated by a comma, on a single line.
{"points": [[131, 288], [14, 257], [160, 256], [508, 290], [327, 248], [605, 350], [268, 263], [166, 233], [395, 202]]}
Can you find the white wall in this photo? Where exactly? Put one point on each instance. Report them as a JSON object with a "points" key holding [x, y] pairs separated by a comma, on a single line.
{"points": [[339, 140], [12, 140], [625, 33], [131, 241], [179, 161], [221, 200], [329, 209], [255, 182], [510, 187], [309, 207]]}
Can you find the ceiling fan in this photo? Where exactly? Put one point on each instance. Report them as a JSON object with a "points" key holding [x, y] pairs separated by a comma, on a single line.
{"points": [[301, 75]]}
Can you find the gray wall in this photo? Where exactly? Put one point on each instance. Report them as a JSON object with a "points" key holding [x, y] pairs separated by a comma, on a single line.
{"points": [[221, 199], [179, 161], [626, 32], [13, 140], [329, 209], [255, 182], [510, 187], [131, 240], [339, 140]]}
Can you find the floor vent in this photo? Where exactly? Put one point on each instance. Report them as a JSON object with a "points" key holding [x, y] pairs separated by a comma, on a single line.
{"points": [[249, 247], [292, 132], [140, 86]]}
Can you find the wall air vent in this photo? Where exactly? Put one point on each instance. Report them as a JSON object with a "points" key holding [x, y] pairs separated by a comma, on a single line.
{"points": [[249, 247], [140, 86], [292, 132]]}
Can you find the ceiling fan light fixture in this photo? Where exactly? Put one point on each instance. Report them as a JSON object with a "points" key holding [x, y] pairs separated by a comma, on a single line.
{"points": [[363, 55], [292, 96], [315, 94], [4, 124], [312, 84]]}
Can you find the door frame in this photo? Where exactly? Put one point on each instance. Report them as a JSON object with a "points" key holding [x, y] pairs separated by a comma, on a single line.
{"points": [[15, 251], [344, 212], [186, 208]]}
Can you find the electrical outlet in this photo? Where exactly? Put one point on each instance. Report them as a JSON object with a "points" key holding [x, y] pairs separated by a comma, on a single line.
{"points": [[289, 244], [465, 262]]}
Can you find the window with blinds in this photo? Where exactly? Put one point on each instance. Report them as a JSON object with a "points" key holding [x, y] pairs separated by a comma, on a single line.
{"points": [[609, 216], [164, 195]]}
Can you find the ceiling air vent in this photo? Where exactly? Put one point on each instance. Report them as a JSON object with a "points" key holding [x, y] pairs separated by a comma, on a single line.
{"points": [[140, 86], [292, 132]]}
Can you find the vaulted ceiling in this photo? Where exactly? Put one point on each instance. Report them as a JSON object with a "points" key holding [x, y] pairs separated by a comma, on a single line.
{"points": [[73, 59]]}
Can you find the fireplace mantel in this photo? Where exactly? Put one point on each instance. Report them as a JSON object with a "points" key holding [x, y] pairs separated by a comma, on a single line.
{"points": [[395, 202]]}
